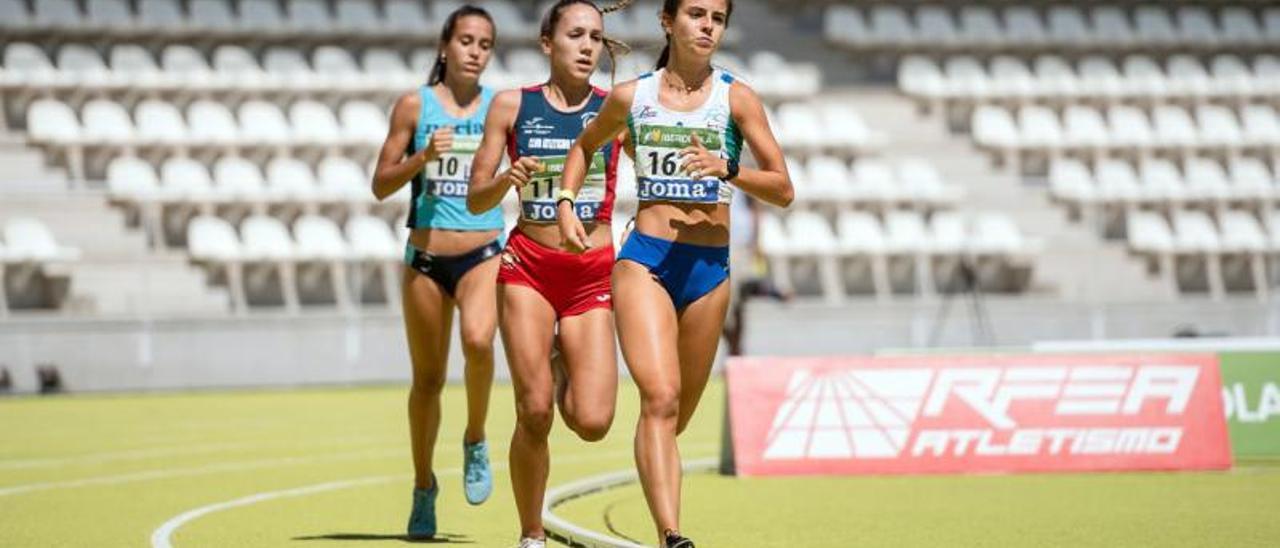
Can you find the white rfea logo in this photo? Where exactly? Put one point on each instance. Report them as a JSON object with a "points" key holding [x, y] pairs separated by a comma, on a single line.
{"points": [[871, 413], [859, 414]]}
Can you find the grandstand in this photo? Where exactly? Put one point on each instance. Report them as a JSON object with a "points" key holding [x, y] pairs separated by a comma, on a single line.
{"points": [[196, 161]]}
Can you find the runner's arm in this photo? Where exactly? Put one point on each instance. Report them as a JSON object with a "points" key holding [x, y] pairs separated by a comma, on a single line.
{"points": [[395, 167], [771, 182], [486, 189]]}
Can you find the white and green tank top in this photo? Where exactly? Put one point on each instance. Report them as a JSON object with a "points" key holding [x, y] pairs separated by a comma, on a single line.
{"points": [[660, 134]]}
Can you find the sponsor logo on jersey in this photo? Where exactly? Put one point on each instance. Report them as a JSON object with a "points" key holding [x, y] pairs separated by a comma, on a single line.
{"points": [[534, 126]]}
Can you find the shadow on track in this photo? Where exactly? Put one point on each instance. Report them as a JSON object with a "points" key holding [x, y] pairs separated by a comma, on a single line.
{"points": [[440, 538]]}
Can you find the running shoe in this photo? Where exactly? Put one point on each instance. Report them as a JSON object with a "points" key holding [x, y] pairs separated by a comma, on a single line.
{"points": [[530, 542], [477, 478], [422, 521], [674, 540]]}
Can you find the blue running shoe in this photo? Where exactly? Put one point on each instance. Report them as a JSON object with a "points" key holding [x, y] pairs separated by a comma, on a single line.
{"points": [[422, 521], [477, 479]]}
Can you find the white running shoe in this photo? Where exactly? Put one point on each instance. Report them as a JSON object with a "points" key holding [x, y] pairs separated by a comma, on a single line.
{"points": [[529, 542]]}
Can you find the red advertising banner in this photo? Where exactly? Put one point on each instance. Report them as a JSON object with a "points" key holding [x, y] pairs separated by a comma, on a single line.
{"points": [[912, 415]]}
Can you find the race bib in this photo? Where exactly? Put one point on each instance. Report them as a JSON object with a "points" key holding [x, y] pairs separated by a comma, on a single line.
{"points": [[538, 198], [449, 175], [658, 161]]}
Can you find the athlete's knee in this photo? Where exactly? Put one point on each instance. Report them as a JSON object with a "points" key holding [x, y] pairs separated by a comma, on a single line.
{"points": [[534, 415], [660, 403], [427, 385], [477, 341], [593, 426]]}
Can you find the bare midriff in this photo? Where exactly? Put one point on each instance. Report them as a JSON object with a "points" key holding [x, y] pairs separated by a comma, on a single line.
{"points": [[439, 241], [698, 224]]}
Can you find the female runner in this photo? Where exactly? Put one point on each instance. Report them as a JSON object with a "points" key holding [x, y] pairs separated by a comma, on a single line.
{"points": [[688, 120], [451, 257], [542, 286]]}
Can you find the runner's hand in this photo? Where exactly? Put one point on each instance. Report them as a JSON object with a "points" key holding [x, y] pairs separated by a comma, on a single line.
{"points": [[572, 233], [699, 162], [522, 171], [440, 144]]}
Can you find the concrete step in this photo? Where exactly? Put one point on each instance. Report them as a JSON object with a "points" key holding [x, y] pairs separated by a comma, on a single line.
{"points": [[118, 273], [162, 286]]}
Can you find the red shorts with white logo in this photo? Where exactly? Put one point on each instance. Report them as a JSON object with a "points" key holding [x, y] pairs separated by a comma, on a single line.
{"points": [[572, 283]]}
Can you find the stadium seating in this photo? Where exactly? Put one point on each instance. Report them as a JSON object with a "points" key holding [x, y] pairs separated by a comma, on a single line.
{"points": [[1062, 27]]}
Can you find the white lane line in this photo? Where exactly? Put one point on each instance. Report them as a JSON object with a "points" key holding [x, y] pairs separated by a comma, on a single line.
{"points": [[575, 535], [147, 475], [161, 537], [172, 451]]}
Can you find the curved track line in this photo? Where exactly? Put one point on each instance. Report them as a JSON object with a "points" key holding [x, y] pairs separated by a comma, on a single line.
{"points": [[161, 537], [574, 535]]}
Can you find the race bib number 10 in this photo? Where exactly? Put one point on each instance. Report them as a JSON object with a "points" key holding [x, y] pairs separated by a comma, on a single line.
{"points": [[448, 176], [538, 198], [658, 165]]}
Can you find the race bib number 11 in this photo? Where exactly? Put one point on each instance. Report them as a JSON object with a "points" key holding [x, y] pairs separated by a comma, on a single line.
{"points": [[538, 198]]}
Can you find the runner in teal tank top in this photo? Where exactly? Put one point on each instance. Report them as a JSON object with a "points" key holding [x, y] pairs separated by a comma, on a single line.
{"points": [[451, 258]]}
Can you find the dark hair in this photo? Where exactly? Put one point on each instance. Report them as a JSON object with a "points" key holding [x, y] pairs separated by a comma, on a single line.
{"points": [[446, 34], [671, 8], [615, 48]]}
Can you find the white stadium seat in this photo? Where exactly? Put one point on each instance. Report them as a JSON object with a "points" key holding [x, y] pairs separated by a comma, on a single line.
{"points": [[1218, 126], [57, 14], [211, 15], [1173, 127], [27, 65], [160, 122], [238, 179], [262, 122], [185, 179], [1071, 181], [290, 180], [109, 15], [1206, 180], [160, 15], [1161, 181], [407, 16], [309, 16], [357, 16], [107, 121], [1129, 127], [261, 15], [83, 65], [342, 179], [28, 239], [1261, 125], [1084, 127], [313, 122], [1066, 25], [372, 240], [363, 122], [1153, 25], [53, 121], [212, 122], [1111, 26], [131, 178]]}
